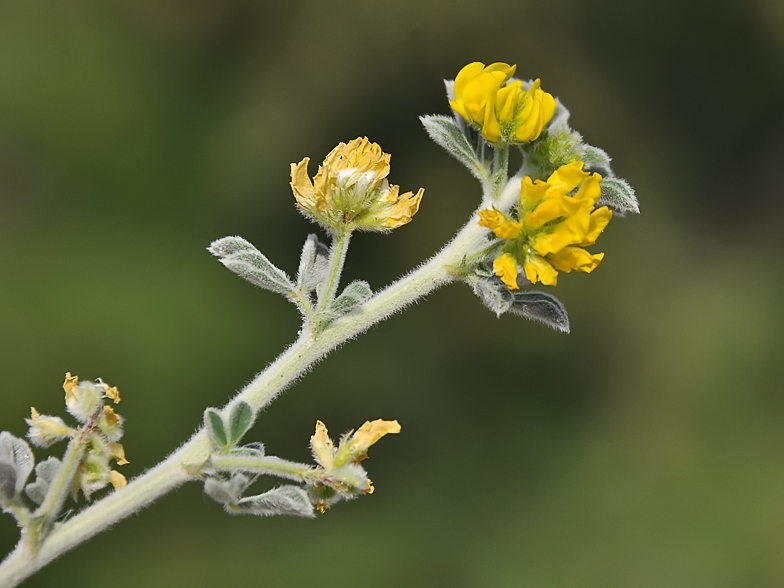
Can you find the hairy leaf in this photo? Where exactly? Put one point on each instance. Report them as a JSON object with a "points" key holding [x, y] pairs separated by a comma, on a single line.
{"points": [[313, 264], [354, 294], [240, 420], [213, 422], [445, 132], [618, 195], [283, 500], [541, 307]]}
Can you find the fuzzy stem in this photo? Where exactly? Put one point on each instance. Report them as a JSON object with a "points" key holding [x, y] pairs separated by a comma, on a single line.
{"points": [[261, 465], [337, 259], [186, 462], [43, 518]]}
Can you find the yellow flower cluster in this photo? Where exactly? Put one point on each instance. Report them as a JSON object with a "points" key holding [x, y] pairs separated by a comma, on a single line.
{"points": [[553, 227], [350, 190], [502, 109]]}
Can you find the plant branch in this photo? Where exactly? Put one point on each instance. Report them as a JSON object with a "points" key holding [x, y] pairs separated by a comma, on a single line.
{"points": [[186, 463]]}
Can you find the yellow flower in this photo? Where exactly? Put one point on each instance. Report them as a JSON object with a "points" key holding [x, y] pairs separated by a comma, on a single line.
{"points": [[503, 110], [553, 227], [350, 190]]}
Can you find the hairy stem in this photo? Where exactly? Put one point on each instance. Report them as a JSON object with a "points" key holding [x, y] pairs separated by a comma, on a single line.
{"points": [[186, 462]]}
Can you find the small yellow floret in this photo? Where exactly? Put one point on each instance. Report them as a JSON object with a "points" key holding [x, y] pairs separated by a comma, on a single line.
{"points": [[502, 109], [558, 218]]}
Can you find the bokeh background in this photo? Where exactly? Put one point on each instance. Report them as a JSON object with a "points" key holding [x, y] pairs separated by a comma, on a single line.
{"points": [[644, 449]]}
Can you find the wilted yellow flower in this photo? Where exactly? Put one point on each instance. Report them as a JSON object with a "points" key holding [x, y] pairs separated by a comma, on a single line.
{"points": [[504, 110], [350, 190], [46, 430], [553, 227]]}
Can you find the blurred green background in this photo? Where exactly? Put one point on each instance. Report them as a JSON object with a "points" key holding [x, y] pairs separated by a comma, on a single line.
{"points": [[645, 449]]}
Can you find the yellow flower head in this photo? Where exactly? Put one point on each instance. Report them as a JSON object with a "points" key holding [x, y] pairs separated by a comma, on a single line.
{"points": [[350, 190], [556, 219], [503, 110]]}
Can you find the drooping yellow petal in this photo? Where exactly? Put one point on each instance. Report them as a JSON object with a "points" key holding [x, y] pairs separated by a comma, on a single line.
{"points": [[117, 480], [117, 452], [301, 184], [372, 431], [505, 267], [575, 258]]}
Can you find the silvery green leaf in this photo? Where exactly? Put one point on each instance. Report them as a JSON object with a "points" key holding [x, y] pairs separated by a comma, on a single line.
{"points": [[7, 481], [283, 500], [541, 307], [229, 245], [618, 195], [17, 454], [354, 294], [219, 490], [238, 483], [240, 420], [493, 294], [597, 160], [248, 262], [313, 264], [45, 472], [213, 422], [445, 132]]}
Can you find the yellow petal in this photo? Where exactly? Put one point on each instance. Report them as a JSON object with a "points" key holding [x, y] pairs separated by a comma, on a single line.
{"points": [[598, 221], [117, 451], [71, 387], [491, 218], [567, 177], [531, 193], [371, 432], [538, 270], [117, 480], [505, 267], [322, 446], [112, 418], [575, 258], [111, 392], [590, 190]]}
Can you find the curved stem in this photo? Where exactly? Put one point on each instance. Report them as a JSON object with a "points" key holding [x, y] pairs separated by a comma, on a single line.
{"points": [[186, 462]]}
